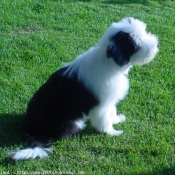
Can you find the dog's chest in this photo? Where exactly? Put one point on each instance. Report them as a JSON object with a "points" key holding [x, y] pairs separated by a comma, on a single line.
{"points": [[112, 90], [118, 90], [121, 87]]}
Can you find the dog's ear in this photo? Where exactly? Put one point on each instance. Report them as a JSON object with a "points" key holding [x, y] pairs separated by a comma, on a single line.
{"points": [[121, 47]]}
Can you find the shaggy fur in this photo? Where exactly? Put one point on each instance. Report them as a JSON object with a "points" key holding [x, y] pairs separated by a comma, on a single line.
{"points": [[88, 88]]}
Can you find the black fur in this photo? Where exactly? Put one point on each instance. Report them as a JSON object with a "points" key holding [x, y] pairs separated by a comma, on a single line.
{"points": [[121, 48], [55, 107]]}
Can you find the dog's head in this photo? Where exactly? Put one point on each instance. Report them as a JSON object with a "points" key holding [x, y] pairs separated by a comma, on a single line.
{"points": [[129, 43]]}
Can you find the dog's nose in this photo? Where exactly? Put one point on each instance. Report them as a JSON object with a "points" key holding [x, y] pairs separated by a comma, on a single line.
{"points": [[158, 45]]}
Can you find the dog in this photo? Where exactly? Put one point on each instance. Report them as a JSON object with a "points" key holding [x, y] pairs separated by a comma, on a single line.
{"points": [[87, 88]]}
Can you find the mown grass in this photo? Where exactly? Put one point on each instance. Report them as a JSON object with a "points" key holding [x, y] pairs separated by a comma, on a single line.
{"points": [[36, 37]]}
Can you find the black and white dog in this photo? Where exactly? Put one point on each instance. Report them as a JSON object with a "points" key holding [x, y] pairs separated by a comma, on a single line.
{"points": [[88, 88]]}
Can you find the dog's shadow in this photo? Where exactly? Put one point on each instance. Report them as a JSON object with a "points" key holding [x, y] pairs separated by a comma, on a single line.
{"points": [[119, 1], [10, 129], [116, 1], [125, 1]]}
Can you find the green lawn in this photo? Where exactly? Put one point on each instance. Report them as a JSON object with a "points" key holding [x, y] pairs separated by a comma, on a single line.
{"points": [[36, 37]]}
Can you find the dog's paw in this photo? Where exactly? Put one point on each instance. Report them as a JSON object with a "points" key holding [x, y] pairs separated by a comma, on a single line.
{"points": [[122, 118], [114, 132], [118, 119]]}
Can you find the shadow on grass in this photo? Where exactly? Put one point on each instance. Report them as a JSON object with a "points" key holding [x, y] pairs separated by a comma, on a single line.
{"points": [[10, 136], [163, 171], [125, 1], [115, 1], [10, 129]]}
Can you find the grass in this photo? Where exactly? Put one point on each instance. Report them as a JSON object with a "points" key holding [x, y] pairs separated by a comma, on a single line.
{"points": [[38, 36]]}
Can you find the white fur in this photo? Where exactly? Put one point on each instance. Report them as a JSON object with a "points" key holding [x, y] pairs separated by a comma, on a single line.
{"points": [[31, 153], [81, 123], [107, 80]]}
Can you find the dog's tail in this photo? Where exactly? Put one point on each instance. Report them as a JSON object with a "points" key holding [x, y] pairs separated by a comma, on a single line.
{"points": [[30, 153], [36, 150]]}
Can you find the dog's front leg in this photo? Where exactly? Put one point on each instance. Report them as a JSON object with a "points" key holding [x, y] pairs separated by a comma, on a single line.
{"points": [[116, 118], [102, 120]]}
